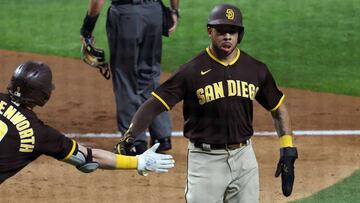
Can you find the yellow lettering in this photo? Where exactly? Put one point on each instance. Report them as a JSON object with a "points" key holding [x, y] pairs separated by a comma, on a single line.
{"points": [[26, 148], [244, 88], [218, 90], [209, 93], [30, 140], [23, 125], [238, 88], [26, 133], [231, 88], [10, 111], [2, 106], [200, 96], [17, 118], [252, 91], [3, 130]]}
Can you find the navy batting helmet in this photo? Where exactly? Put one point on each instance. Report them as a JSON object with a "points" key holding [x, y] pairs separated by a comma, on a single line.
{"points": [[226, 14], [31, 84]]}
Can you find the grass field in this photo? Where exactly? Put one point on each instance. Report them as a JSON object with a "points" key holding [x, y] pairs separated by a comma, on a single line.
{"points": [[347, 191], [307, 44]]}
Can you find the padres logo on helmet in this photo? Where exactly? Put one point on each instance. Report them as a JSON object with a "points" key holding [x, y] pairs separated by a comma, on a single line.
{"points": [[226, 14], [230, 14]]}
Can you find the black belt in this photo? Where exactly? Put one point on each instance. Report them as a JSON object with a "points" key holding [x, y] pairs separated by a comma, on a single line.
{"points": [[208, 147], [122, 2]]}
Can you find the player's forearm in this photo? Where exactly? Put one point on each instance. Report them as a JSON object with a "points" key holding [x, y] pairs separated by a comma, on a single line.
{"points": [[145, 115], [109, 160], [95, 7], [174, 4], [283, 126], [282, 121]]}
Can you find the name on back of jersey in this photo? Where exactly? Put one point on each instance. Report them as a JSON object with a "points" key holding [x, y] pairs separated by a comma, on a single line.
{"points": [[22, 125]]}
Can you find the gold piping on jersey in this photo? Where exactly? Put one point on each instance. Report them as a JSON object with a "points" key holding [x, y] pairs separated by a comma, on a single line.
{"points": [[277, 106], [219, 61], [161, 100], [71, 151]]}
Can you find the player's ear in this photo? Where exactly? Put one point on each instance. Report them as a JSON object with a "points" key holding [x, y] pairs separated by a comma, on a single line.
{"points": [[209, 30]]}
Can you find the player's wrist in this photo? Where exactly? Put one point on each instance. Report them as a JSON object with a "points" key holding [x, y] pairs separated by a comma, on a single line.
{"points": [[126, 162], [286, 141], [175, 11], [88, 26]]}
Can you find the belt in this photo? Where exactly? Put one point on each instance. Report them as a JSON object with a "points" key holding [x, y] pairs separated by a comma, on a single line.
{"points": [[122, 2], [208, 147]]}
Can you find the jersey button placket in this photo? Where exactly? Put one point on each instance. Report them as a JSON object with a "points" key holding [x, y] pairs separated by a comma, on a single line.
{"points": [[227, 77]]}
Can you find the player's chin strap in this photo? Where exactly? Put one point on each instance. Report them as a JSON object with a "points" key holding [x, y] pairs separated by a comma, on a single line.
{"points": [[83, 163]]}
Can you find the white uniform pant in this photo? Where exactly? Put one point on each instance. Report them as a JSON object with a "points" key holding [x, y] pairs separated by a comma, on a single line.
{"points": [[222, 175]]}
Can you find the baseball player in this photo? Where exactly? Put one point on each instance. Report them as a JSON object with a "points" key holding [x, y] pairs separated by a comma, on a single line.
{"points": [[24, 137], [134, 30], [218, 88]]}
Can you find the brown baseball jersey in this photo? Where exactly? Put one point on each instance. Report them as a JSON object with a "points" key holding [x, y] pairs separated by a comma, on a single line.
{"points": [[218, 97], [23, 138]]}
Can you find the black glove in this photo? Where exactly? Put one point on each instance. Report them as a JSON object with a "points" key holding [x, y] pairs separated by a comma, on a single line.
{"points": [[125, 146], [94, 57], [285, 167]]}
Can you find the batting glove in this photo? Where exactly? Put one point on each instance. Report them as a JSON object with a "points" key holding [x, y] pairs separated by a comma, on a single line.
{"points": [[285, 167], [152, 161], [125, 146]]}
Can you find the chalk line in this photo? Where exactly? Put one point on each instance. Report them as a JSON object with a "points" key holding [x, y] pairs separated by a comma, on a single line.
{"points": [[260, 133]]}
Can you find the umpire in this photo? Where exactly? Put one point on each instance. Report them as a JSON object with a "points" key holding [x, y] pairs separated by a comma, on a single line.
{"points": [[134, 31], [24, 137]]}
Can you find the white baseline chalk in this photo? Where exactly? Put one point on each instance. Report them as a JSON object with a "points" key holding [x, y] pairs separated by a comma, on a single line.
{"points": [[260, 133]]}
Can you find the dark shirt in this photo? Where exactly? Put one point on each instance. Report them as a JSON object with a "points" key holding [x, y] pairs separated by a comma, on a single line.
{"points": [[23, 138], [218, 98]]}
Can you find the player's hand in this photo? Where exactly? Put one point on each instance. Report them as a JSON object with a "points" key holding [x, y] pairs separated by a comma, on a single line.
{"points": [[125, 146], [175, 20], [152, 161], [285, 167]]}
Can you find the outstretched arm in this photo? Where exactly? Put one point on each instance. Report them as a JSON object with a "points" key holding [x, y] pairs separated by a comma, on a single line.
{"points": [[88, 160], [140, 122], [145, 115]]}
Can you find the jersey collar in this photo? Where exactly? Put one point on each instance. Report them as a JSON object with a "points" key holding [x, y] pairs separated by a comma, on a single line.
{"points": [[219, 61]]}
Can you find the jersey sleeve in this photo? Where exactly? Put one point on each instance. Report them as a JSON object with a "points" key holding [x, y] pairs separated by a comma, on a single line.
{"points": [[172, 90], [268, 95], [53, 143]]}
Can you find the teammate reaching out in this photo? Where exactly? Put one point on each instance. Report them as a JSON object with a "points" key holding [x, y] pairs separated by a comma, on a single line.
{"points": [[218, 88], [24, 137]]}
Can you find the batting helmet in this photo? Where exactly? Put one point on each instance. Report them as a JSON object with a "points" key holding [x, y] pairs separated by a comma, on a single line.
{"points": [[31, 84], [226, 14]]}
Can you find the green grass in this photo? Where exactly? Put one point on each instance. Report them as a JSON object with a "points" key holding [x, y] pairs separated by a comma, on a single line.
{"points": [[346, 191], [307, 44]]}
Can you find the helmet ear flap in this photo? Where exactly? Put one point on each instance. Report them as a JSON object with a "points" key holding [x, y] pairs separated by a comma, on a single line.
{"points": [[241, 34]]}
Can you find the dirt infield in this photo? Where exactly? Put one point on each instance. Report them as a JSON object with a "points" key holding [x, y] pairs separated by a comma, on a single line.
{"points": [[83, 102]]}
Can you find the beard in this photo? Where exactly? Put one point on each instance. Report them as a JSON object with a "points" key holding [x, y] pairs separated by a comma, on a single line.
{"points": [[224, 49]]}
